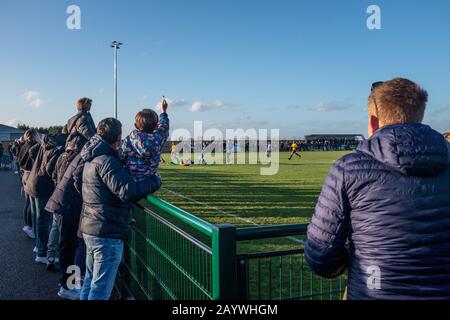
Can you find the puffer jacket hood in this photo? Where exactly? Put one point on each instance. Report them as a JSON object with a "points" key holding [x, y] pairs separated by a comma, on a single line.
{"points": [[53, 141], [66, 200], [96, 147], [80, 128], [411, 149]]}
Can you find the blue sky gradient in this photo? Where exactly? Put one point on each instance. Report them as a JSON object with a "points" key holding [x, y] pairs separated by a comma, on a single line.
{"points": [[300, 66]]}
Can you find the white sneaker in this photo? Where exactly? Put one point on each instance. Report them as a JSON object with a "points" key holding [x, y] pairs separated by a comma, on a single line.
{"points": [[35, 249], [73, 294], [29, 232], [41, 260], [53, 260]]}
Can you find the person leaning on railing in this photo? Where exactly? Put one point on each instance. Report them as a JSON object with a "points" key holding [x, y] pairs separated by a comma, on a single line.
{"points": [[66, 203], [383, 212], [108, 191]]}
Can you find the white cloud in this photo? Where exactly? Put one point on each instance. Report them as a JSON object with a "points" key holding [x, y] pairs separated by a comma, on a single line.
{"points": [[331, 106], [33, 99], [176, 103], [13, 123], [199, 106], [142, 98]]}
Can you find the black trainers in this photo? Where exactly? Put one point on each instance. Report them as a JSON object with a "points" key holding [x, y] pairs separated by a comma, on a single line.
{"points": [[51, 264]]}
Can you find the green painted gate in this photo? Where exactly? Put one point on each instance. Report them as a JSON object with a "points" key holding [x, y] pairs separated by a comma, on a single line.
{"points": [[172, 254]]}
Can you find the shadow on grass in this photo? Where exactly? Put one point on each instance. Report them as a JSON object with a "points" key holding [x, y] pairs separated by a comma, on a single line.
{"points": [[262, 201]]}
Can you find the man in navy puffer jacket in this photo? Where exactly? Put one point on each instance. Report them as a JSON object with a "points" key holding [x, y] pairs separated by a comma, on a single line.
{"points": [[384, 211]]}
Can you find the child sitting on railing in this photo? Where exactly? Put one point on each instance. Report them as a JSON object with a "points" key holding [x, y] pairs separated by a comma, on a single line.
{"points": [[141, 150]]}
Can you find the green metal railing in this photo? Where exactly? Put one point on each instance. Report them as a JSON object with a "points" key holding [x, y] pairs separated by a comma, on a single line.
{"points": [[281, 274], [172, 254]]}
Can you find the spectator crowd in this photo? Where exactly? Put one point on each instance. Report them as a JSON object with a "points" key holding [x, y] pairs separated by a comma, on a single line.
{"points": [[383, 215], [79, 185], [331, 144]]}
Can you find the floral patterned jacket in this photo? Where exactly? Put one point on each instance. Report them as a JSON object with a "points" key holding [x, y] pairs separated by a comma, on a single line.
{"points": [[141, 151]]}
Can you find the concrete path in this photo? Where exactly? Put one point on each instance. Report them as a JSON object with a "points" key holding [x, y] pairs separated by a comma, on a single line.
{"points": [[20, 277]]}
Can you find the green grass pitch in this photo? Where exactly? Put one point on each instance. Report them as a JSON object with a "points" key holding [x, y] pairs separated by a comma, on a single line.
{"points": [[239, 195]]}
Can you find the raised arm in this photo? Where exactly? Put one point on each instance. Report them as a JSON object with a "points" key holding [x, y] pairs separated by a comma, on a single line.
{"points": [[162, 133]]}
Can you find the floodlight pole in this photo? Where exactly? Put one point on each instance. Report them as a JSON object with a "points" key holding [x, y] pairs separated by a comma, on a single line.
{"points": [[115, 45]]}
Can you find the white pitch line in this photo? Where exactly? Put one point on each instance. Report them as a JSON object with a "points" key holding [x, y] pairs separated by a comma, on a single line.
{"points": [[225, 213]]}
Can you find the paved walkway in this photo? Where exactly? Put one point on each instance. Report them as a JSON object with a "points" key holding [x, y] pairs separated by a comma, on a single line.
{"points": [[20, 277]]}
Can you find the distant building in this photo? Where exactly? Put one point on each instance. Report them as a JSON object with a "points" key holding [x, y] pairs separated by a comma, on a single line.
{"points": [[8, 133], [358, 137]]}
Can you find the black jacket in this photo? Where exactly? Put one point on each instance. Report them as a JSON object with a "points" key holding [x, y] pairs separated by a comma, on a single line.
{"points": [[108, 191], [34, 150], [80, 129], [66, 200], [15, 148], [39, 183], [24, 159]]}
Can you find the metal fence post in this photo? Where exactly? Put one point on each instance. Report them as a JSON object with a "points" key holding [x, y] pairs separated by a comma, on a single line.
{"points": [[242, 280], [224, 279]]}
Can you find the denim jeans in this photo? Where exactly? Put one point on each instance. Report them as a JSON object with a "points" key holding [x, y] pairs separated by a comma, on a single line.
{"points": [[33, 217], [103, 256], [27, 213], [42, 224], [27, 207], [80, 256], [53, 240]]}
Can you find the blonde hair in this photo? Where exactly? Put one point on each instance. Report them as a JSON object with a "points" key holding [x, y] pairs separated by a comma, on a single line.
{"points": [[398, 101]]}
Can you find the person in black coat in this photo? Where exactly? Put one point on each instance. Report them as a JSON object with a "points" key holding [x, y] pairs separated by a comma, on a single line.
{"points": [[39, 186], [22, 150], [108, 192], [384, 211], [80, 128], [66, 201]]}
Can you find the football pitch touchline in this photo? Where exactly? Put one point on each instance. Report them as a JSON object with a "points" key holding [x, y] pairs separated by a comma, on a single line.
{"points": [[225, 213]]}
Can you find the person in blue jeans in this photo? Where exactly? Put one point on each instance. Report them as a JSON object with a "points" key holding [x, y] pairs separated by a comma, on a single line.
{"points": [[103, 257], [66, 203], [108, 192]]}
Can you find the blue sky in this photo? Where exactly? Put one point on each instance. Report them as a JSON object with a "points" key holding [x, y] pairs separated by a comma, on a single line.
{"points": [[300, 66]]}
